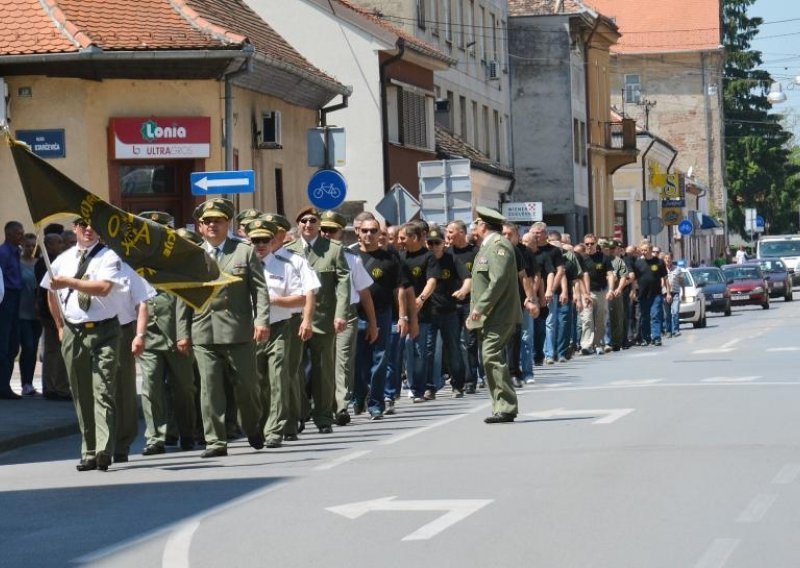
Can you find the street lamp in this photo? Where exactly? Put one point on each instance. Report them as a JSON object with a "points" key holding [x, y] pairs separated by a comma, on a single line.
{"points": [[776, 95]]}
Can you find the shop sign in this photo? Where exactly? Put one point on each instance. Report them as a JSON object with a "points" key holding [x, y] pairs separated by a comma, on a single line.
{"points": [[161, 138], [671, 215]]}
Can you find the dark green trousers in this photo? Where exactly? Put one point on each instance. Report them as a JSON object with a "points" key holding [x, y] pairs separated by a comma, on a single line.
{"points": [[168, 390]]}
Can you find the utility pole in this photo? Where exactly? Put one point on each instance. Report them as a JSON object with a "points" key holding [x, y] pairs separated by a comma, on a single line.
{"points": [[647, 106]]}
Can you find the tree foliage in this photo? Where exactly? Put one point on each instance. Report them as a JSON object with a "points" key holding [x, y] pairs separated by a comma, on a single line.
{"points": [[760, 171]]}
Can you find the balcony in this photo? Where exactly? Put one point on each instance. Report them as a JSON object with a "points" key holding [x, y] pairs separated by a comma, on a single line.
{"points": [[619, 143]]}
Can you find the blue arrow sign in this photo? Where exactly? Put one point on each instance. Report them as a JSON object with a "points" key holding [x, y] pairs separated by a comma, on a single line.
{"points": [[327, 189], [239, 181], [685, 227], [759, 222]]}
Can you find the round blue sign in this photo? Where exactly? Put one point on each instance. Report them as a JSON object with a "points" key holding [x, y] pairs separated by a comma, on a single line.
{"points": [[685, 227], [759, 222], [327, 189]]}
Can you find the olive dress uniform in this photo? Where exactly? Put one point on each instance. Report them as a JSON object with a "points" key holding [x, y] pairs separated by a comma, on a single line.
{"points": [[616, 307], [222, 337], [496, 297], [333, 299], [90, 348]]}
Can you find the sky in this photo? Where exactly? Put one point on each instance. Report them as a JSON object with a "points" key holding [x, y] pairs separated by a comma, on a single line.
{"points": [[781, 52]]}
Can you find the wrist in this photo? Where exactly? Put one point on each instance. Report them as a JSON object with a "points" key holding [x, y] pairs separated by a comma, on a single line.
{"points": [[403, 318], [141, 335]]}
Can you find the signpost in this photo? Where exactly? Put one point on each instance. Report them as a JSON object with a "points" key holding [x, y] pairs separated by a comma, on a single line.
{"points": [[760, 224], [236, 181], [45, 143], [523, 211], [686, 227], [398, 206], [327, 189]]}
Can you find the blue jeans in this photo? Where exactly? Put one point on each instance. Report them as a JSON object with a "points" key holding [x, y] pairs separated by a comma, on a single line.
{"points": [[527, 348], [29, 333], [371, 362], [469, 349], [9, 337], [558, 332], [652, 314], [418, 364], [394, 364], [676, 313], [446, 325]]}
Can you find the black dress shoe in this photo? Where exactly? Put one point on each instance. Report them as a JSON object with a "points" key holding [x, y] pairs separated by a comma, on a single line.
{"points": [[256, 442], [120, 458], [87, 465], [170, 441], [499, 418], [342, 418], [153, 449], [325, 429], [187, 444], [10, 395], [214, 453], [103, 461], [290, 437], [301, 425], [272, 443]]}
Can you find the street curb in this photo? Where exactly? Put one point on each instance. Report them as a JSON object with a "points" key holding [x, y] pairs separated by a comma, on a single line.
{"points": [[42, 435]]}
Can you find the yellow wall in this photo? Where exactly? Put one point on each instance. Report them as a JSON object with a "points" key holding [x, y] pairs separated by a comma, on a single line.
{"points": [[83, 109]]}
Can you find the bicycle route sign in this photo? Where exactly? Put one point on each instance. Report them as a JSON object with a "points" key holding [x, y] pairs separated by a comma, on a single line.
{"points": [[327, 189]]}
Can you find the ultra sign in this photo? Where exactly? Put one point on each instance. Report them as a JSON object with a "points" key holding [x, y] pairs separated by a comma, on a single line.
{"points": [[164, 138]]}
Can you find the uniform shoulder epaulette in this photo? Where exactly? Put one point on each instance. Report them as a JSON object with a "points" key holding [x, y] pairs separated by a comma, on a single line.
{"points": [[288, 251], [282, 258], [348, 250]]}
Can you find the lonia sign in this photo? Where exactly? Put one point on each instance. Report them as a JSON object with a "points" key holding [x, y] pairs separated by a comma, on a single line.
{"points": [[172, 137]]}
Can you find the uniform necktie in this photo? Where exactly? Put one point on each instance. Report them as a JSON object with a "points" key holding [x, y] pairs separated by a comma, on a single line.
{"points": [[84, 300], [217, 253]]}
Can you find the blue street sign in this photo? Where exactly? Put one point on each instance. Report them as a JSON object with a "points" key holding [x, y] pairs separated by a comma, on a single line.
{"points": [[759, 222], [44, 143], [327, 189], [685, 227], [238, 181]]}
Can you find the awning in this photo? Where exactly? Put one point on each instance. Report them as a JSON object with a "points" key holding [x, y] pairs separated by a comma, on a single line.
{"points": [[708, 223]]}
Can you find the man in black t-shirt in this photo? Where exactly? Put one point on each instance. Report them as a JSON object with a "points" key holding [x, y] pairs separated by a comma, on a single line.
{"points": [[389, 280], [631, 334], [551, 337], [464, 253], [651, 277], [601, 290]]}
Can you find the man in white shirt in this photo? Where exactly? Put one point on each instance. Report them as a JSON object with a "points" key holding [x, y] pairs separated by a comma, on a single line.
{"points": [[83, 285]]}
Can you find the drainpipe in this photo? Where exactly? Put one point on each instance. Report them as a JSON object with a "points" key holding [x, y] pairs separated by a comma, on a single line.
{"points": [[644, 182], [401, 47], [246, 67], [323, 112], [590, 185]]}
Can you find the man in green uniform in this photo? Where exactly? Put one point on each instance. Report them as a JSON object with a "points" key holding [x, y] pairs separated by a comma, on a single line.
{"points": [[223, 335], [167, 375], [330, 314], [243, 218], [616, 307], [495, 310]]}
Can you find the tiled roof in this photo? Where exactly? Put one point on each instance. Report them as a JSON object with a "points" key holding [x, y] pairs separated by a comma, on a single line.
{"points": [[544, 7], [60, 26], [412, 42], [449, 146], [648, 30]]}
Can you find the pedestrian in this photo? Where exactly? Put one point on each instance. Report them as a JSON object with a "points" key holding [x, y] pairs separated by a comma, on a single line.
{"points": [[84, 282], [225, 334], [601, 290], [675, 287], [616, 305], [651, 279], [495, 310], [741, 255], [243, 218], [30, 327], [327, 258], [10, 266], [551, 327], [464, 253]]}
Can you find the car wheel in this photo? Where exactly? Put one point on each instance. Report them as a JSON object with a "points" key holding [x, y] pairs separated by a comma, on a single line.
{"points": [[727, 311]]}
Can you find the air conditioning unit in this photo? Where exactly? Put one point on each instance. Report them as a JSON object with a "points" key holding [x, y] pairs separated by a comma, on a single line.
{"points": [[493, 69]]}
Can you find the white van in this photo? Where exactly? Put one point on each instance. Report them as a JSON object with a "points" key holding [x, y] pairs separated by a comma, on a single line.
{"points": [[785, 247]]}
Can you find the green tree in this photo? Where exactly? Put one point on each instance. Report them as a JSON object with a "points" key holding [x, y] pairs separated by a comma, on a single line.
{"points": [[757, 147]]}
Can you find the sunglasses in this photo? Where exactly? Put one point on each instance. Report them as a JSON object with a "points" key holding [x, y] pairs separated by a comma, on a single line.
{"points": [[328, 230], [212, 220], [435, 243], [370, 231], [261, 240], [309, 220], [82, 224], [589, 244]]}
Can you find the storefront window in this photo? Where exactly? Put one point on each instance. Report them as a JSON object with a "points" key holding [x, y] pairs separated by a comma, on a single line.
{"points": [[147, 179]]}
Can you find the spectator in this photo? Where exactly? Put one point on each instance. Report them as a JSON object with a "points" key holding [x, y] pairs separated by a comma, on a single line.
{"points": [[30, 327], [651, 278], [9, 307], [70, 238], [741, 255]]}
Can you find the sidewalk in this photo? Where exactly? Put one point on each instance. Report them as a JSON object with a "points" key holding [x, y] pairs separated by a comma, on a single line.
{"points": [[34, 419]]}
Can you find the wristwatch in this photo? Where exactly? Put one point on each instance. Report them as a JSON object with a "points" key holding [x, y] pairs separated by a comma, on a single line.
{"points": [[404, 318]]}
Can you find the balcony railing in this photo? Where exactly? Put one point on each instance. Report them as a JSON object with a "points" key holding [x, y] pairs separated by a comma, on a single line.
{"points": [[620, 135]]}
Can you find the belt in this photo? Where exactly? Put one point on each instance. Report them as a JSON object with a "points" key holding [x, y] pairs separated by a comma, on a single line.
{"points": [[93, 324]]}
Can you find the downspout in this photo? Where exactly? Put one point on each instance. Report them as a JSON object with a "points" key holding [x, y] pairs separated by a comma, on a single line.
{"points": [[401, 47], [644, 181], [590, 185], [323, 112], [246, 67]]}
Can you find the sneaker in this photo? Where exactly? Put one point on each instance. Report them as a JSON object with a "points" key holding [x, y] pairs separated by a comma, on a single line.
{"points": [[549, 361], [29, 390], [458, 393], [563, 360], [530, 381], [358, 408], [389, 407], [481, 384], [657, 342], [410, 394], [608, 349], [417, 399], [516, 382], [375, 415], [430, 394], [599, 351], [469, 388], [585, 351]]}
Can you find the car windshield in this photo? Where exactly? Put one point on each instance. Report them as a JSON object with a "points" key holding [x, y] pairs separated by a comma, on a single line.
{"points": [[779, 248], [707, 275], [772, 265], [743, 273]]}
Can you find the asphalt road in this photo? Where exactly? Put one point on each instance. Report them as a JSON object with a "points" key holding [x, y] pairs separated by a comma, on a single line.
{"points": [[685, 455]]}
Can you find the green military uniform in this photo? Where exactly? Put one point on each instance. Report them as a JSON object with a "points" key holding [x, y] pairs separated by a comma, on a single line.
{"points": [[222, 337], [616, 306], [332, 302], [495, 296]]}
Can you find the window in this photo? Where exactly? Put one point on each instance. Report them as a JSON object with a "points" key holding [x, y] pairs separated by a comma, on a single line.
{"points": [[421, 14], [475, 123], [458, 22], [448, 31], [494, 36], [144, 179], [462, 110], [482, 32], [497, 136], [470, 27], [280, 206], [411, 112], [486, 141], [576, 141], [583, 142], [271, 128], [633, 89], [435, 17], [451, 111]]}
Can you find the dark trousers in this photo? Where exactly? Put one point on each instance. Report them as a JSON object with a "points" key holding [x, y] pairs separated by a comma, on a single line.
{"points": [[9, 337], [469, 346], [29, 333]]}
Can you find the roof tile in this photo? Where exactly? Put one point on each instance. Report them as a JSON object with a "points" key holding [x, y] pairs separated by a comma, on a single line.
{"points": [[26, 28], [449, 146]]}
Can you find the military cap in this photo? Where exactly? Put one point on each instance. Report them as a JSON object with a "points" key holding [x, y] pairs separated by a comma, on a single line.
{"points": [[308, 210], [160, 217], [615, 243], [602, 243], [216, 207], [260, 228], [279, 220], [189, 235], [435, 235], [79, 221], [489, 216], [244, 217], [333, 220]]}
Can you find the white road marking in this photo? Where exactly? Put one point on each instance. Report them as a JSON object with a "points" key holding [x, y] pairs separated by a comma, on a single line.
{"points": [[678, 385], [730, 379], [718, 553], [612, 414], [456, 510], [342, 459], [710, 351], [731, 343], [781, 349], [176, 551], [554, 385], [757, 508], [787, 475], [637, 382], [650, 354]]}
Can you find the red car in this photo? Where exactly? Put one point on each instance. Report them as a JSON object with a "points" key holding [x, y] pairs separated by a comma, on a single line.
{"points": [[747, 285]]}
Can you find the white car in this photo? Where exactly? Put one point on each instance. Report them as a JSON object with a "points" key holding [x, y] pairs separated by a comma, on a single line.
{"points": [[693, 301]]}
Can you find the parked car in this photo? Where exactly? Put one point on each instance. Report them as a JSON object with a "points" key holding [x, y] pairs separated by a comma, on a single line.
{"points": [[693, 301], [715, 289], [778, 278], [747, 284], [782, 247]]}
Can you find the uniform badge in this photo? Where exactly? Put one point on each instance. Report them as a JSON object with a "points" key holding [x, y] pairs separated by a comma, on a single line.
{"points": [[377, 272], [654, 268], [416, 272], [446, 274], [501, 252], [483, 260]]}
